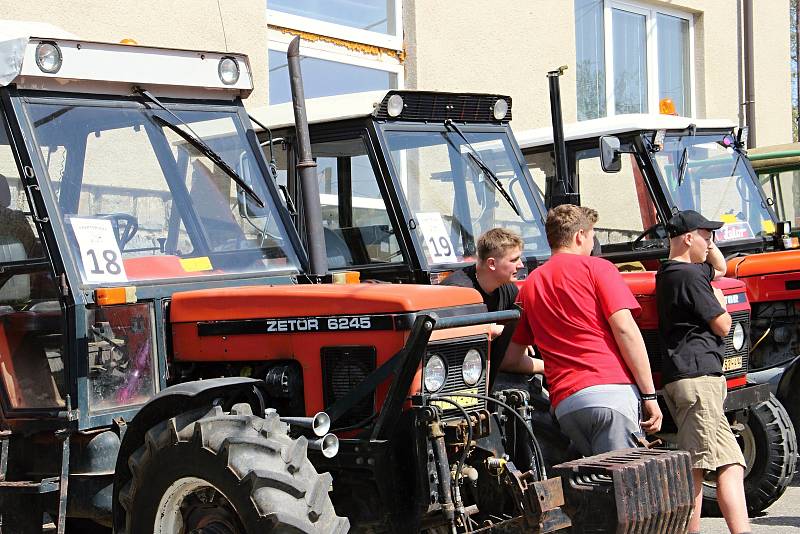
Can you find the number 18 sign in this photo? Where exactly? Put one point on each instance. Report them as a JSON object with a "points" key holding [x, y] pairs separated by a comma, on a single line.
{"points": [[102, 259], [437, 240]]}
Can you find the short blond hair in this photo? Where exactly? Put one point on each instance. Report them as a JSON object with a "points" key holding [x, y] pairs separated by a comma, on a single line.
{"points": [[496, 242], [565, 220]]}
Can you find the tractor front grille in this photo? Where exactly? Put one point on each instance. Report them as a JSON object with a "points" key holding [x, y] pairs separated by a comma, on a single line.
{"points": [[453, 352], [657, 352], [343, 368]]}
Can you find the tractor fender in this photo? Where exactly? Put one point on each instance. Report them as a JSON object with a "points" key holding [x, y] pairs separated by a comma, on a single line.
{"points": [[788, 380], [169, 403]]}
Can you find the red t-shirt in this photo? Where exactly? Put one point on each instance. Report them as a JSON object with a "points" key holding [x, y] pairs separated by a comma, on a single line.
{"points": [[566, 304]]}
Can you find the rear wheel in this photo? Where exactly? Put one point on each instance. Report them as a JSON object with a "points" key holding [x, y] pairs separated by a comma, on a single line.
{"points": [[226, 473], [769, 446]]}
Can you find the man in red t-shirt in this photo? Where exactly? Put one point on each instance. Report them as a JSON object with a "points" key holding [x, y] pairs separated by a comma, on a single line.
{"points": [[578, 311]]}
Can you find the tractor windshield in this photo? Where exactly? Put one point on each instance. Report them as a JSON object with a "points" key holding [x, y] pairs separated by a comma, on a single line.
{"points": [[139, 202], [707, 174], [458, 186]]}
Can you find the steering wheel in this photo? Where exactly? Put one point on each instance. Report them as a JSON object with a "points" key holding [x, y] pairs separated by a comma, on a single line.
{"points": [[658, 231], [124, 232]]}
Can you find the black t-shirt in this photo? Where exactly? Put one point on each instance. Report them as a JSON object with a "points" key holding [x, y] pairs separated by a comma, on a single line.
{"points": [[502, 298], [686, 303]]}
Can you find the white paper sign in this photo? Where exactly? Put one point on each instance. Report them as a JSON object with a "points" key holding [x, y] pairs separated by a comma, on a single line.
{"points": [[102, 259], [436, 237]]}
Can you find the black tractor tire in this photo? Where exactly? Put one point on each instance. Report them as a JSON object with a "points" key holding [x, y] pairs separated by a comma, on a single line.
{"points": [[769, 445], [213, 471]]}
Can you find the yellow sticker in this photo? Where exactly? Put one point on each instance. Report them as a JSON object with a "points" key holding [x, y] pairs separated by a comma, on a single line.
{"points": [[465, 402], [193, 265], [768, 226], [727, 218], [732, 363]]}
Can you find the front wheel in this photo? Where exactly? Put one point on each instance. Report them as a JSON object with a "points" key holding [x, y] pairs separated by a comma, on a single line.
{"points": [[769, 446], [226, 473]]}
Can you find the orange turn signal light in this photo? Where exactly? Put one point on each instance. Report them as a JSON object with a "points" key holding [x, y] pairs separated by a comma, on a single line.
{"points": [[128, 41], [106, 296], [346, 277]]}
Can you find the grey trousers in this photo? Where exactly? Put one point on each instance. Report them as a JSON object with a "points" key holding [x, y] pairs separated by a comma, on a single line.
{"points": [[597, 430]]}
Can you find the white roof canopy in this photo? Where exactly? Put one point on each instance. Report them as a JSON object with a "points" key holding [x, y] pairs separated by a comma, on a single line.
{"points": [[615, 125]]}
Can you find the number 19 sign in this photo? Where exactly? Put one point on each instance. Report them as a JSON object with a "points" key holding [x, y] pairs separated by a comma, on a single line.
{"points": [[102, 259], [437, 240]]}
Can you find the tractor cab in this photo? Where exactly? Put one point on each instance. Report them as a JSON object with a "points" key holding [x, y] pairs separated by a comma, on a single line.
{"points": [[408, 180]]}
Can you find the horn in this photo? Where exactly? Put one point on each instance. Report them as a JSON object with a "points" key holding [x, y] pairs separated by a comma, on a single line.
{"points": [[319, 424], [328, 445]]}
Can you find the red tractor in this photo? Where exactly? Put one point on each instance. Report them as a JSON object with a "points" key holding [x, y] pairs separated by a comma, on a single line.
{"points": [[408, 180], [167, 347]]}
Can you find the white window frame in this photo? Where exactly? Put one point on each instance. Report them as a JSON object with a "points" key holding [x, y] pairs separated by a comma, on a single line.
{"points": [[651, 30], [279, 42], [340, 31]]}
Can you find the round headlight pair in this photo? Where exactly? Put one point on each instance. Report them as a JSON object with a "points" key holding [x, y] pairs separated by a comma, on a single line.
{"points": [[436, 370], [738, 337]]}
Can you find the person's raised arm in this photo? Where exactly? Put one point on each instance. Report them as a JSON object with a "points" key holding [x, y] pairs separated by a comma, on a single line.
{"points": [[631, 345], [717, 261], [517, 360]]}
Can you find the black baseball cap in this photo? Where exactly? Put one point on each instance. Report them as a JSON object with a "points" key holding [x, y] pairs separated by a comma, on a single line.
{"points": [[688, 220]]}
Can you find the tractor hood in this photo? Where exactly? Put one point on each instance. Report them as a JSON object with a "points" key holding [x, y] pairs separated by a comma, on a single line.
{"points": [[783, 261], [258, 302], [644, 283]]}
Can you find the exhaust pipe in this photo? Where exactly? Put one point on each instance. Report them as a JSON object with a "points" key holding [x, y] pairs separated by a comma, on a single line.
{"points": [[319, 424], [317, 255], [328, 445], [563, 191]]}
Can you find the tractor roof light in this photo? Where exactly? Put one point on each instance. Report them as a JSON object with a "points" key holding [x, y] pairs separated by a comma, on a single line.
{"points": [[48, 57], [666, 107], [500, 109], [228, 70], [395, 105]]}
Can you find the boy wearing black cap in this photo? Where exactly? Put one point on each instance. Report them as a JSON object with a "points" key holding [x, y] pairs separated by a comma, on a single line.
{"points": [[693, 322]]}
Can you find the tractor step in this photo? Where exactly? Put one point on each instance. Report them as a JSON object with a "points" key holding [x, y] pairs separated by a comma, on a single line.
{"points": [[47, 485], [631, 490]]}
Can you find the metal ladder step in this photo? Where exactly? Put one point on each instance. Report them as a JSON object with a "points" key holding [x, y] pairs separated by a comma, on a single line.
{"points": [[47, 485]]}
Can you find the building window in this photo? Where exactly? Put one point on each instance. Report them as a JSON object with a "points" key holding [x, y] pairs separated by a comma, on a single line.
{"points": [[631, 56], [347, 47]]}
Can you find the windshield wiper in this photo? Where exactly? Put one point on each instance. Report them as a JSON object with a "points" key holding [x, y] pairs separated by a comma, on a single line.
{"points": [[683, 164], [476, 158], [194, 140]]}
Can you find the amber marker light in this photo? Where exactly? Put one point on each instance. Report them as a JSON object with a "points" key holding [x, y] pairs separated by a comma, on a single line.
{"points": [[666, 107], [107, 296]]}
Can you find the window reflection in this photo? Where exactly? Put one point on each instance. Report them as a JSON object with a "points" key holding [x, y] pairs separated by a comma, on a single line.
{"points": [[322, 77]]}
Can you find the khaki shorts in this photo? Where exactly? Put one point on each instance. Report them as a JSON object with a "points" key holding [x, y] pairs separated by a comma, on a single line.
{"points": [[703, 429]]}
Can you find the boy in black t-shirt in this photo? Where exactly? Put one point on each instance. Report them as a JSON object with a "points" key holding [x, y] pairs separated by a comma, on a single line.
{"points": [[493, 275], [693, 322]]}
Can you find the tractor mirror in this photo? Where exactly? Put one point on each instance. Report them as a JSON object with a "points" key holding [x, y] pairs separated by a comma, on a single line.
{"points": [[610, 158]]}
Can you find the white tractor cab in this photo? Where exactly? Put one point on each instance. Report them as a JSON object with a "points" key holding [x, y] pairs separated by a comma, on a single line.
{"points": [[408, 180], [636, 170]]}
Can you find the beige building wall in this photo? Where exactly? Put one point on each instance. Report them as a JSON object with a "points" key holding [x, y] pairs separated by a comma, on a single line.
{"points": [[508, 46], [216, 25]]}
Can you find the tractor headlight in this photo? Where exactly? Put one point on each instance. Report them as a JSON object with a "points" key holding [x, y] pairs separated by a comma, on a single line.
{"points": [[394, 107], [48, 57], [435, 373], [228, 70], [500, 109], [738, 337], [472, 368]]}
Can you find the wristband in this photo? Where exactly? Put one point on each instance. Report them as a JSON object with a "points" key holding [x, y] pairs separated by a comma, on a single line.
{"points": [[649, 396]]}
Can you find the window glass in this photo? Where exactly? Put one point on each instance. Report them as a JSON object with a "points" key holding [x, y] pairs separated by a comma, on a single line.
{"points": [[454, 200], [371, 15], [355, 222], [542, 167], [322, 77], [630, 62], [623, 206], [673, 62], [590, 59], [706, 174], [140, 202]]}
